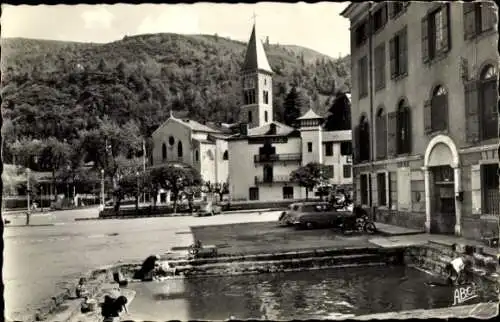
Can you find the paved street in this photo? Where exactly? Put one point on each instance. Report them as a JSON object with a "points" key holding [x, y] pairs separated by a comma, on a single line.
{"points": [[40, 260]]}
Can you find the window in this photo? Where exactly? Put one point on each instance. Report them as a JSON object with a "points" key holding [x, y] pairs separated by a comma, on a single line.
{"points": [[345, 148], [266, 97], [364, 189], [380, 66], [250, 120], [196, 155], [329, 149], [403, 128], [380, 18], [347, 169], [382, 189], [265, 116], [478, 18], [309, 147], [361, 33], [249, 96], [381, 133], [363, 77], [164, 152], [436, 33], [253, 193], [171, 140], [397, 7], [363, 138], [488, 102], [179, 149], [329, 171], [268, 174], [491, 194], [225, 156], [398, 50], [439, 109], [287, 192]]}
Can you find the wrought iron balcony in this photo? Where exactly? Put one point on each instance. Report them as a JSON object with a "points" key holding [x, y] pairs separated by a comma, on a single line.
{"points": [[277, 157], [272, 179]]}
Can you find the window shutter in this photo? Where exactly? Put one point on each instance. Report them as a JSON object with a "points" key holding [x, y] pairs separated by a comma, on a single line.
{"points": [[356, 149], [392, 56], [425, 40], [487, 16], [427, 117], [373, 179], [408, 130], [388, 189], [475, 184], [446, 27], [469, 20], [391, 134], [472, 112], [403, 51]]}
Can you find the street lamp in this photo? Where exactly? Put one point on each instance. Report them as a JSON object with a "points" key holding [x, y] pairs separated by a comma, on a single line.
{"points": [[138, 192], [102, 188]]}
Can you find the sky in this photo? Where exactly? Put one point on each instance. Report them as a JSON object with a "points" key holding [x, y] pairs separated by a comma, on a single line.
{"points": [[317, 26]]}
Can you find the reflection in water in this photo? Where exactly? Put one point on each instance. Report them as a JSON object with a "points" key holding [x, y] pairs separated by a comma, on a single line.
{"points": [[317, 294]]}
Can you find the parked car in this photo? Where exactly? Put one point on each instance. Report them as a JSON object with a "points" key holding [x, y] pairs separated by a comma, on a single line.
{"points": [[207, 209], [317, 214]]}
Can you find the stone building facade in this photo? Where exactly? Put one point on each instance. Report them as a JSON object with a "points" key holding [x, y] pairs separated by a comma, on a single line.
{"points": [[425, 116]]}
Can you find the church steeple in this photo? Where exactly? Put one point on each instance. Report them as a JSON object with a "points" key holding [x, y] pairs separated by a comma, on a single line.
{"points": [[255, 58], [257, 109]]}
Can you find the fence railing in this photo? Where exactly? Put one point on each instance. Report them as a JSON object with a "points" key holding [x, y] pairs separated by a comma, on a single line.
{"points": [[273, 179], [277, 157]]}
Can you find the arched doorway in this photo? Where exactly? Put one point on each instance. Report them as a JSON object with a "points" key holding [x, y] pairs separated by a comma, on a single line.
{"points": [[442, 186]]}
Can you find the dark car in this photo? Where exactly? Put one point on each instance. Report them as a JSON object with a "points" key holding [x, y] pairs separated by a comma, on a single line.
{"points": [[316, 214]]}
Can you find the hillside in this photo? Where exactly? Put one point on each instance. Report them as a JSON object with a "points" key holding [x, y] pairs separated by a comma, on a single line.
{"points": [[54, 88]]}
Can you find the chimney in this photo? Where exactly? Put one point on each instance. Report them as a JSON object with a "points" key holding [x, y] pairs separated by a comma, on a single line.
{"points": [[244, 129], [267, 40]]}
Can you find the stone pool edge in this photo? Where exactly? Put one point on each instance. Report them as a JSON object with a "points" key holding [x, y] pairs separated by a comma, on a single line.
{"points": [[228, 263]]}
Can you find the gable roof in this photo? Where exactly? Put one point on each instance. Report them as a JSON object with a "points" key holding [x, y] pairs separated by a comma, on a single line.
{"points": [[255, 57], [191, 124], [310, 115]]}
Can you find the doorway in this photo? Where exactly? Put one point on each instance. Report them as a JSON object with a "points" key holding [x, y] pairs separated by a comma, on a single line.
{"points": [[443, 217]]}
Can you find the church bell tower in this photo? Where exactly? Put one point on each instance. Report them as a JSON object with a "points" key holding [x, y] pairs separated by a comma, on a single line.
{"points": [[256, 77]]}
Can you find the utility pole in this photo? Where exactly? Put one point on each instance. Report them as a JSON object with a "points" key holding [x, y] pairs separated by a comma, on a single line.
{"points": [[28, 172], [102, 188], [144, 166]]}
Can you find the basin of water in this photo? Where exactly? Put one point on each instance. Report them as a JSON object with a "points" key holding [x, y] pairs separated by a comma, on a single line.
{"points": [[318, 294]]}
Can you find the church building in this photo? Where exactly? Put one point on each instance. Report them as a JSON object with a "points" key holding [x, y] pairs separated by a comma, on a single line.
{"points": [[264, 152], [257, 160]]}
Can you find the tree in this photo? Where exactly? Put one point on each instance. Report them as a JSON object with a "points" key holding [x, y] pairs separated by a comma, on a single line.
{"points": [[294, 102], [339, 117], [309, 176], [175, 178], [54, 155]]}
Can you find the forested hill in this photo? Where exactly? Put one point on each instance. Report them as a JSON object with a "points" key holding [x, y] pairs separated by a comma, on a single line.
{"points": [[58, 89]]}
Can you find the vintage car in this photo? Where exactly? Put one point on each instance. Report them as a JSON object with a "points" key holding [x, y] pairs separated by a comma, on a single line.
{"points": [[316, 215], [207, 209]]}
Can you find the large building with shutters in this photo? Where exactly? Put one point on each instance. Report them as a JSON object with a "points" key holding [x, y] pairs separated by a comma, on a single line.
{"points": [[424, 116]]}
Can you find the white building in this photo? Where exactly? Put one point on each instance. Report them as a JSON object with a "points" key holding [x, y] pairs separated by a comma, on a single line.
{"points": [[265, 152], [190, 142], [258, 160]]}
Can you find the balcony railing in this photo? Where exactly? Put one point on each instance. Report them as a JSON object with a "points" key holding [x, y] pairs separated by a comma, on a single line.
{"points": [[273, 179], [277, 157]]}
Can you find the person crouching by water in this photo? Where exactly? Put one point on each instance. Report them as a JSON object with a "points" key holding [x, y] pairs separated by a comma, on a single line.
{"points": [[112, 308], [81, 289], [456, 269], [147, 270]]}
